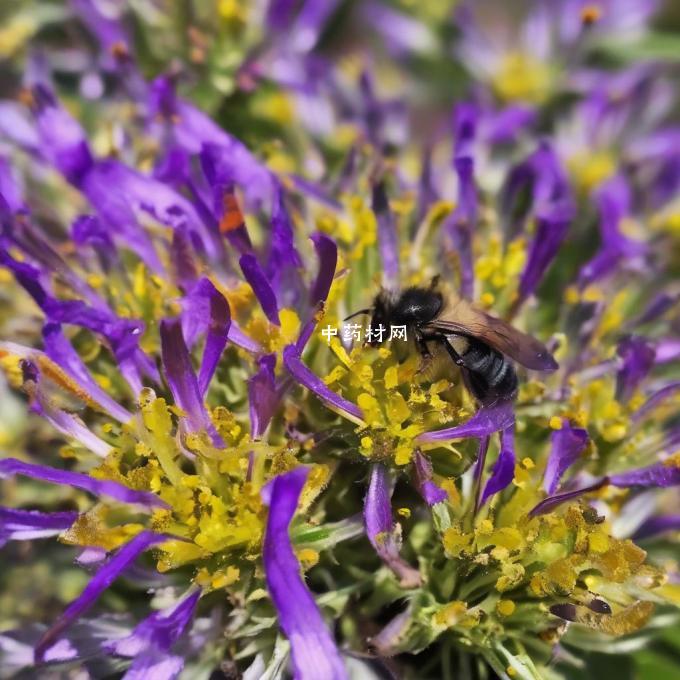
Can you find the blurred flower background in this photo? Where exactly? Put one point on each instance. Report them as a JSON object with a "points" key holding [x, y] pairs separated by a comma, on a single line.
{"points": [[196, 482]]}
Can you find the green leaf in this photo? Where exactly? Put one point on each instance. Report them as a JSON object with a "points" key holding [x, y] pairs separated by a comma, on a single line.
{"points": [[327, 535], [651, 47]]}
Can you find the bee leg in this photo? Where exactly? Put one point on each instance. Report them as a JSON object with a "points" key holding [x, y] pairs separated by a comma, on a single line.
{"points": [[442, 339], [457, 359], [425, 354]]}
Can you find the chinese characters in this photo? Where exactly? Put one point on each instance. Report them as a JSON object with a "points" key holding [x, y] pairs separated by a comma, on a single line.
{"points": [[372, 334]]}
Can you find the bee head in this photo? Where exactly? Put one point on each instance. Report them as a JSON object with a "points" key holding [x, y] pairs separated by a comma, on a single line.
{"points": [[382, 310], [416, 306]]}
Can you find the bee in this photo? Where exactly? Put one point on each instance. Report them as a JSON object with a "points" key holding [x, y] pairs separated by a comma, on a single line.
{"points": [[478, 343]]}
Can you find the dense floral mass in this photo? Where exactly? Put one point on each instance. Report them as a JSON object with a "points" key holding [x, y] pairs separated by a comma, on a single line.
{"points": [[209, 469]]}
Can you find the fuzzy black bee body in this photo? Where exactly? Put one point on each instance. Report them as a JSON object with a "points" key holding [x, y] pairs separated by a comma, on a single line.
{"points": [[475, 341], [489, 375]]}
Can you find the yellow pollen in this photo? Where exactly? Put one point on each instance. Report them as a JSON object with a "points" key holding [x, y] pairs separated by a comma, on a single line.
{"points": [[308, 557], [487, 299], [505, 607], [521, 77], [556, 423], [571, 295], [592, 167]]}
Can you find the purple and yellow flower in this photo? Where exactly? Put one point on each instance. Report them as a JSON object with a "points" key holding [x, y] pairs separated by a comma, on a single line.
{"points": [[276, 501]]}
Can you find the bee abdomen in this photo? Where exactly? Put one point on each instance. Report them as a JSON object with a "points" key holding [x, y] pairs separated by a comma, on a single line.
{"points": [[504, 379], [478, 358], [491, 374]]}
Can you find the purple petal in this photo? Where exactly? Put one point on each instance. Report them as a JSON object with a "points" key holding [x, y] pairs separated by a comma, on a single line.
{"points": [[550, 503], [480, 464], [16, 126], [505, 125], [658, 475], [655, 399], [486, 421], [63, 141], [327, 252], [427, 192], [551, 231], [155, 664], [308, 329], [316, 191], [121, 334], [310, 23], [141, 193], [465, 118], [430, 492], [90, 556], [504, 468], [104, 577], [284, 263], [193, 129], [461, 223], [380, 527], [107, 29], [264, 293], [657, 525], [567, 444], [205, 310], [60, 350], [116, 211], [614, 204], [229, 162], [637, 355], [24, 525], [182, 256], [89, 230], [263, 396], [659, 305], [10, 188], [543, 176], [388, 239], [157, 632], [280, 14], [293, 362], [667, 350], [386, 642], [98, 487], [312, 646], [69, 424], [34, 243], [182, 380], [402, 33], [240, 339]]}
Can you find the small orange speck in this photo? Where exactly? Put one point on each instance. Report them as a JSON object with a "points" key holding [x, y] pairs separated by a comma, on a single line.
{"points": [[120, 51], [26, 97], [233, 217], [590, 14]]}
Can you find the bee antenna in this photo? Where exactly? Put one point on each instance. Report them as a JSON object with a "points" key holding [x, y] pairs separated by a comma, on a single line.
{"points": [[361, 311]]}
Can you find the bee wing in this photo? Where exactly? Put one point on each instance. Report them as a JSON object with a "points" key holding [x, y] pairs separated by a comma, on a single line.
{"points": [[462, 318]]}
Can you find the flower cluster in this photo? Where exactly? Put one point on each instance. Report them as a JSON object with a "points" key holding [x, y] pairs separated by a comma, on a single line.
{"points": [[191, 205]]}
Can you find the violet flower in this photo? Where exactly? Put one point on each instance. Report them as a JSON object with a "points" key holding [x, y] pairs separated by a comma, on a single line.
{"points": [[241, 475]]}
